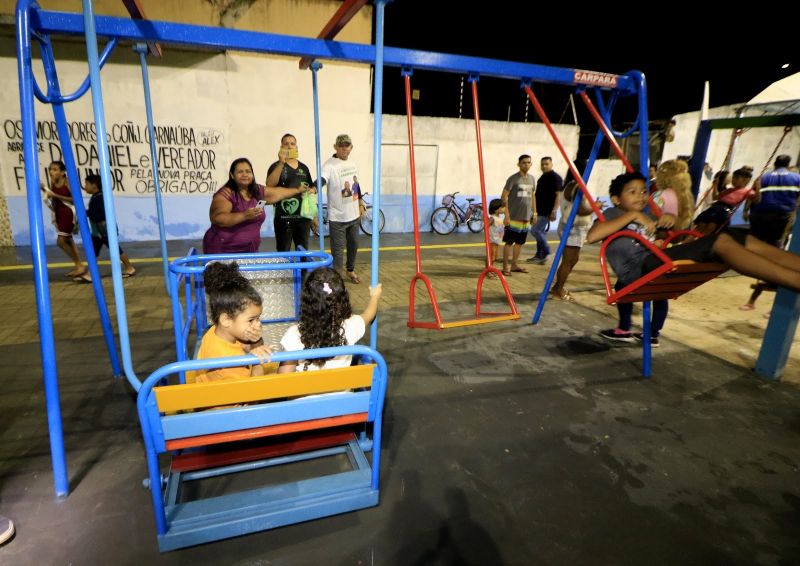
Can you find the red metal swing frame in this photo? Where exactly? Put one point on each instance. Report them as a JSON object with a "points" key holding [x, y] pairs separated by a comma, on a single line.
{"points": [[672, 278], [481, 317]]}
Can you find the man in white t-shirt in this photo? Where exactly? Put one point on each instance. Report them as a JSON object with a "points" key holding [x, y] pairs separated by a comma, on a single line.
{"points": [[340, 174]]}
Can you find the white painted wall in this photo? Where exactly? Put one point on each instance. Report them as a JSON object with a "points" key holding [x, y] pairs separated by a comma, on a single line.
{"points": [[247, 101], [753, 148], [239, 105]]}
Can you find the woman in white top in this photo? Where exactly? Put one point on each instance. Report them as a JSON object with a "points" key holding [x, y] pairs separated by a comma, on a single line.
{"points": [[326, 320]]}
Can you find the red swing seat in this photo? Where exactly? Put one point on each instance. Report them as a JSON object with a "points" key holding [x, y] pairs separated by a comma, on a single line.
{"points": [[668, 281]]}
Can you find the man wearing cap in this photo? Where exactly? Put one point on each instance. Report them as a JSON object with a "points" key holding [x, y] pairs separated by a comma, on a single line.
{"points": [[340, 174]]}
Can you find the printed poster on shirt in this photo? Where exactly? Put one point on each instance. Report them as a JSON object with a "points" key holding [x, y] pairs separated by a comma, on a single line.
{"points": [[189, 156]]}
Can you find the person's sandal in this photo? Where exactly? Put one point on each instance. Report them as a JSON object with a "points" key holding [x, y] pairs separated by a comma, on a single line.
{"points": [[353, 277]]}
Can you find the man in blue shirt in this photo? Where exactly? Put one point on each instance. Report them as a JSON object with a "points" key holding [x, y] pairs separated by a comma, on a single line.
{"points": [[777, 193]]}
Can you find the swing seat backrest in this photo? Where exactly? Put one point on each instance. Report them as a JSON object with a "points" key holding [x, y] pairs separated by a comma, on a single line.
{"points": [[668, 281], [298, 416]]}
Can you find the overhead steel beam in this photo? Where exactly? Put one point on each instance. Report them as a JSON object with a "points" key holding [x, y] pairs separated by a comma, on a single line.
{"points": [[260, 42]]}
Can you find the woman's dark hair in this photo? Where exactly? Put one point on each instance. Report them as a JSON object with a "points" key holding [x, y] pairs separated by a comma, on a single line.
{"points": [[252, 188], [324, 306], [494, 205], [621, 180], [60, 164], [744, 171], [228, 291]]}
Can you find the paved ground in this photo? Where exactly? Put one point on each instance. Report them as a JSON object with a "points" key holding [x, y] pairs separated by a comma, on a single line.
{"points": [[504, 444]]}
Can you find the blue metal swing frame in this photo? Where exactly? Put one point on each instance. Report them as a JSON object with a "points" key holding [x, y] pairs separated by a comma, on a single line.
{"points": [[34, 23]]}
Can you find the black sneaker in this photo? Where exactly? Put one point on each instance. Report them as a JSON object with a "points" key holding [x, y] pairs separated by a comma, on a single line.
{"points": [[617, 335], [639, 337]]}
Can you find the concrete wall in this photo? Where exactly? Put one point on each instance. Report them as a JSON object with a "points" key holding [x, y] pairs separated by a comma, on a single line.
{"points": [[754, 147], [213, 107]]}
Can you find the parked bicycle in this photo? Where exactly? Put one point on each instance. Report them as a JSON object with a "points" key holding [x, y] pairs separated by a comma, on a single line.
{"points": [[365, 222], [447, 217]]}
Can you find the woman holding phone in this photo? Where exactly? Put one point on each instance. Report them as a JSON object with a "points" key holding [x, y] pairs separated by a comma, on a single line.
{"points": [[237, 211], [289, 172]]}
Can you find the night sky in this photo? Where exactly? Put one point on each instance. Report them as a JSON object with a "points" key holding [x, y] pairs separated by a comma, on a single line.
{"points": [[677, 56]]}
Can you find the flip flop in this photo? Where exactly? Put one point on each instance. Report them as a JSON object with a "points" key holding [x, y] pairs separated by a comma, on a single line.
{"points": [[506, 272], [75, 273], [354, 278], [83, 278], [746, 307], [565, 296], [519, 270], [131, 274], [491, 275]]}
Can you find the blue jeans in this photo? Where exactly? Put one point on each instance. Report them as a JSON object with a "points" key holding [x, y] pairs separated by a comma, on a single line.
{"points": [[538, 231], [344, 235]]}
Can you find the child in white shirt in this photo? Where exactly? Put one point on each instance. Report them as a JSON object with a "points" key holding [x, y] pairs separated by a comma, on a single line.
{"points": [[326, 320]]}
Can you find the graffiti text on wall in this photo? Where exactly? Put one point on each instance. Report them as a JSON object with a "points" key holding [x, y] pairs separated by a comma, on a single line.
{"points": [[187, 156]]}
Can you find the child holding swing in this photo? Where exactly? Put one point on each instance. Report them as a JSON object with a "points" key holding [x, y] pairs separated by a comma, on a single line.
{"points": [[631, 260], [326, 320]]}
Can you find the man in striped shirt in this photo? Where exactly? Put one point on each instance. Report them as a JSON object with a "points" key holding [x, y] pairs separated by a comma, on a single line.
{"points": [[773, 208]]}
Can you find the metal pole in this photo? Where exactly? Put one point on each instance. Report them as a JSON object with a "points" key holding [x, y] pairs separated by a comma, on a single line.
{"points": [[142, 50], [54, 93], [108, 199], [380, 8], [316, 66], [41, 287]]}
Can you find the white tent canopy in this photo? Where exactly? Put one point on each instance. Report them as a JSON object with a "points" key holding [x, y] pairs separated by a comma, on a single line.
{"points": [[784, 90]]}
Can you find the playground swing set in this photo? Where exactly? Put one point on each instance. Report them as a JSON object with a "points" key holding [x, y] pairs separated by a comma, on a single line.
{"points": [[294, 413], [278, 408], [674, 277]]}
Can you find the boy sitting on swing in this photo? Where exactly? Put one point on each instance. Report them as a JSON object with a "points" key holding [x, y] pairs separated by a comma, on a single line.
{"points": [[631, 260]]}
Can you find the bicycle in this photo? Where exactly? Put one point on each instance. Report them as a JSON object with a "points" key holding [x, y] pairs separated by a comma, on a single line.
{"points": [[445, 218], [365, 222]]}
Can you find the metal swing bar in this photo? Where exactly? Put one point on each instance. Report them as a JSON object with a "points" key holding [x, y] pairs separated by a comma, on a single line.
{"points": [[784, 318], [480, 316]]}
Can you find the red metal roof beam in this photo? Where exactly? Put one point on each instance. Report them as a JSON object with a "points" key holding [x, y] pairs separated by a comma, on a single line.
{"points": [[137, 13], [341, 18]]}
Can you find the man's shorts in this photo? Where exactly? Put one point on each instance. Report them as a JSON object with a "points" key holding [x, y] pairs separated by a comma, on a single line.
{"points": [[511, 236]]}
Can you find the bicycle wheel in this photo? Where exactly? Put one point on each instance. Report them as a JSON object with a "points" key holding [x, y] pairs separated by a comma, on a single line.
{"points": [[475, 222], [443, 220], [366, 221]]}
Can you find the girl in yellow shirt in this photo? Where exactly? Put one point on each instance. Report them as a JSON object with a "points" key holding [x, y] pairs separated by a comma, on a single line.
{"points": [[236, 311]]}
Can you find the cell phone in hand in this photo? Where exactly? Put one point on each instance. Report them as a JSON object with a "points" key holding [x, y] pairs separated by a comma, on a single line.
{"points": [[261, 204]]}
